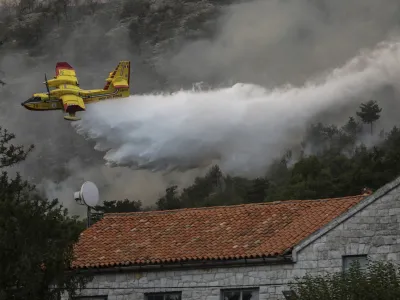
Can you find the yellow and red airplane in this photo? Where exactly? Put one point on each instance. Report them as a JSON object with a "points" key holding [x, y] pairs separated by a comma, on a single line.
{"points": [[66, 94]]}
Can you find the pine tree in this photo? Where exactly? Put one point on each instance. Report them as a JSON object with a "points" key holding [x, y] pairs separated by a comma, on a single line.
{"points": [[352, 127], [370, 112], [170, 200]]}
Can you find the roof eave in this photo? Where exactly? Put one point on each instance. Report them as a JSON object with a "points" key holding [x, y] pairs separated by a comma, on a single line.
{"points": [[284, 259]]}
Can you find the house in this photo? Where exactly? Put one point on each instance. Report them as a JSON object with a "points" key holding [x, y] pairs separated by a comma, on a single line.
{"points": [[248, 251]]}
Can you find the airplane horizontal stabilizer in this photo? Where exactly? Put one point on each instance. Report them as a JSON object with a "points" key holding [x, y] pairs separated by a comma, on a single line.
{"points": [[120, 83], [120, 77]]}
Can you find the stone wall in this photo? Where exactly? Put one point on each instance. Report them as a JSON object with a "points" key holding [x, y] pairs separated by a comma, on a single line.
{"points": [[203, 284], [374, 231]]}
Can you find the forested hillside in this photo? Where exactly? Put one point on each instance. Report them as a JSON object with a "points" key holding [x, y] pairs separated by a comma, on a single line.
{"points": [[332, 160], [42, 27]]}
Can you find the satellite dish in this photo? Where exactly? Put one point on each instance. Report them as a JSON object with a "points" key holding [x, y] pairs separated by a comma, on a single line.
{"points": [[89, 194]]}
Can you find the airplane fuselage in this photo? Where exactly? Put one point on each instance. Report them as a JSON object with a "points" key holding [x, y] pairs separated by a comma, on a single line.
{"points": [[41, 101]]}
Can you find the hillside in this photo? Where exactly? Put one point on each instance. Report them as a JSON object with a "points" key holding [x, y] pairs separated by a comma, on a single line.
{"points": [[176, 44]]}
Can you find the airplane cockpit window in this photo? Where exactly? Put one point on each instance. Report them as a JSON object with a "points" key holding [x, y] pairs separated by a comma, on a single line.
{"points": [[34, 99]]}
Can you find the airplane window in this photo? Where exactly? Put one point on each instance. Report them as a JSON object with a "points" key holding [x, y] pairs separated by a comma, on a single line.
{"points": [[37, 99]]}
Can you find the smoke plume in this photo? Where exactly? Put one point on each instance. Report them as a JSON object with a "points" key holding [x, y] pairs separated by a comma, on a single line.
{"points": [[242, 127], [278, 42]]}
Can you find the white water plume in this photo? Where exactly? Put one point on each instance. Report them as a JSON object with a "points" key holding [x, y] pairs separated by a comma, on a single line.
{"points": [[243, 127]]}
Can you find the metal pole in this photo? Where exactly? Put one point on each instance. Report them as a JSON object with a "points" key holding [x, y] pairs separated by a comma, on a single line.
{"points": [[88, 216]]}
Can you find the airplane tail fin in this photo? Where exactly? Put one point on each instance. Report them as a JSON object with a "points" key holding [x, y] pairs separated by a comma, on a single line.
{"points": [[120, 77]]}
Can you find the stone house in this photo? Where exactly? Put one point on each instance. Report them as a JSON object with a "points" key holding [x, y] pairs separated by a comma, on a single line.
{"points": [[240, 252]]}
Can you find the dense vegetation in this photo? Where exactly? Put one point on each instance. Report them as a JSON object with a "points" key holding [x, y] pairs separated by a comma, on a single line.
{"points": [[379, 281], [36, 236], [152, 26]]}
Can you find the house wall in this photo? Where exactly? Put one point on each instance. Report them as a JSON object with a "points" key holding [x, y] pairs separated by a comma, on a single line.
{"points": [[374, 231], [192, 283]]}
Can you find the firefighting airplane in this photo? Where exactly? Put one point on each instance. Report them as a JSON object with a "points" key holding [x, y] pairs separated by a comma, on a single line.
{"points": [[66, 94]]}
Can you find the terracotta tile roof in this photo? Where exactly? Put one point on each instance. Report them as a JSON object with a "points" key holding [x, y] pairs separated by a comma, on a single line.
{"points": [[225, 232]]}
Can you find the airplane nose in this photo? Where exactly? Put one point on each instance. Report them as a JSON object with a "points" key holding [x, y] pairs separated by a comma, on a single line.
{"points": [[24, 104]]}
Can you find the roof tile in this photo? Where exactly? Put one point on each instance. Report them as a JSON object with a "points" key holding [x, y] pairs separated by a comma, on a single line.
{"points": [[224, 232]]}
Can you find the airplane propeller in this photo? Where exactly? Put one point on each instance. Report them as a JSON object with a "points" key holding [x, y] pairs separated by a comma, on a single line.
{"points": [[48, 90], [47, 85]]}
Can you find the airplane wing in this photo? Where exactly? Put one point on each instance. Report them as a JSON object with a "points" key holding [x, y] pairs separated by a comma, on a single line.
{"points": [[65, 72], [72, 103]]}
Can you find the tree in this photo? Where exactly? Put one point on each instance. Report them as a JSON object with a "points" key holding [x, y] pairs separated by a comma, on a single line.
{"points": [[257, 191], [119, 206], [369, 112], [380, 281], [170, 200], [36, 236], [115, 207], [204, 188], [352, 127]]}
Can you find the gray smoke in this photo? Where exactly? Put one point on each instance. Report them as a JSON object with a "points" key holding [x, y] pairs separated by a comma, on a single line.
{"points": [[277, 42]]}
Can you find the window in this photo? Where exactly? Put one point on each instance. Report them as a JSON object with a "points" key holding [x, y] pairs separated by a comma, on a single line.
{"points": [[348, 260], [164, 296], [290, 295], [240, 294]]}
